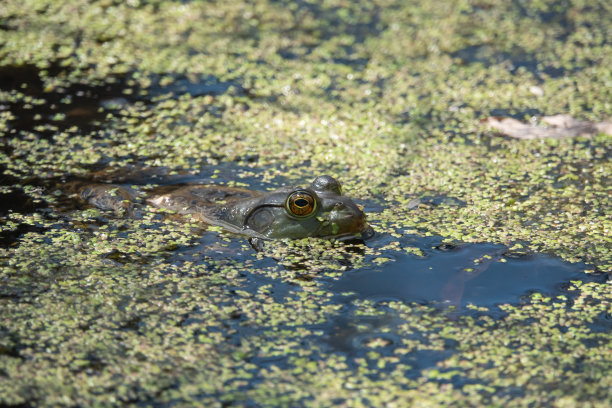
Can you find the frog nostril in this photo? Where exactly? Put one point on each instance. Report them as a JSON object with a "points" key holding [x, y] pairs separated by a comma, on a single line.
{"points": [[339, 206]]}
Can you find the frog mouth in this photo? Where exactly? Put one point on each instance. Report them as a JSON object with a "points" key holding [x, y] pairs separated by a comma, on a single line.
{"points": [[365, 233]]}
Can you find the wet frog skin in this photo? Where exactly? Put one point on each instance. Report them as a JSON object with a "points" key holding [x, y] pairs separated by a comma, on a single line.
{"points": [[317, 210]]}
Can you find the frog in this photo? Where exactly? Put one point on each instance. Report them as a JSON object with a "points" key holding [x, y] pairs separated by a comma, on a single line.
{"points": [[318, 210]]}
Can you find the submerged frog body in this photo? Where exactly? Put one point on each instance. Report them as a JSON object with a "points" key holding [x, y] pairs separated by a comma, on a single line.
{"points": [[318, 210]]}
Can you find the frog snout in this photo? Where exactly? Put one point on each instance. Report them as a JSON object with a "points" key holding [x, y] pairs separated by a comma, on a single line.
{"points": [[350, 216]]}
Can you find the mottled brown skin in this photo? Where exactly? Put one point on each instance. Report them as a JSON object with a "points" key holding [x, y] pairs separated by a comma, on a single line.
{"points": [[318, 210]]}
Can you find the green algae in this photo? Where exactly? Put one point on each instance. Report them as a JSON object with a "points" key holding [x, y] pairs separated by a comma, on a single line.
{"points": [[98, 309]]}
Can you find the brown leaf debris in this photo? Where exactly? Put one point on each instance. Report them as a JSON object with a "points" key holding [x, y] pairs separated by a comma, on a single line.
{"points": [[557, 126]]}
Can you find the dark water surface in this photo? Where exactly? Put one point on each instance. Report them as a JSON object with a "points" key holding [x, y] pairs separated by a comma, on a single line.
{"points": [[448, 277], [47, 111], [481, 274]]}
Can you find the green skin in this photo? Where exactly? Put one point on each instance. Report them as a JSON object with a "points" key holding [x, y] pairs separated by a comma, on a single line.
{"points": [[252, 213]]}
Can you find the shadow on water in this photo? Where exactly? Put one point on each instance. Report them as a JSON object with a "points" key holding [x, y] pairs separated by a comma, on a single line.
{"points": [[14, 200], [43, 111], [47, 111]]}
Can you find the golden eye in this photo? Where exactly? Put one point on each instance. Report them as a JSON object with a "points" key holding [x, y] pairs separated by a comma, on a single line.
{"points": [[301, 204]]}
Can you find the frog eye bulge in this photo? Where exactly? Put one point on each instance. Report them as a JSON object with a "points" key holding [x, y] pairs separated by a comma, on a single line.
{"points": [[301, 204]]}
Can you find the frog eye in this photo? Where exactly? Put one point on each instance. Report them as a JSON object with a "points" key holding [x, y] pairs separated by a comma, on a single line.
{"points": [[301, 204]]}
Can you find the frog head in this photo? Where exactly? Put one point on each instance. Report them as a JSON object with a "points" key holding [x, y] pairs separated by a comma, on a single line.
{"points": [[318, 210]]}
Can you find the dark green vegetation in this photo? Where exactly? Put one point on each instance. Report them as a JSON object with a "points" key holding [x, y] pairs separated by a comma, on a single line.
{"points": [[388, 96]]}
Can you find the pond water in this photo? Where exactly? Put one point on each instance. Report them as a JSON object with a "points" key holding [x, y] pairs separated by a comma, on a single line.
{"points": [[458, 280], [455, 281], [481, 274], [47, 111], [455, 275]]}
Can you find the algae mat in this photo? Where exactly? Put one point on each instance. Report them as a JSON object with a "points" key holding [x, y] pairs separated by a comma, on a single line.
{"points": [[101, 309]]}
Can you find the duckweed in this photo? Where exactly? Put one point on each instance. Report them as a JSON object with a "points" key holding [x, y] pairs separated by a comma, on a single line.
{"points": [[100, 309]]}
